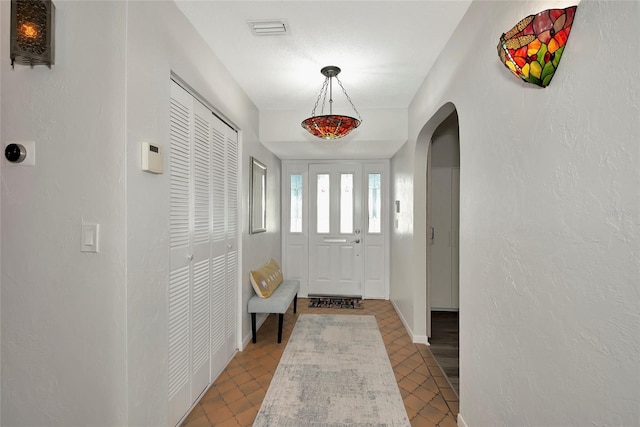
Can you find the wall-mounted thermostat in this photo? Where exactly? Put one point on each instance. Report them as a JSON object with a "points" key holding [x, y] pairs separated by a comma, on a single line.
{"points": [[152, 158]]}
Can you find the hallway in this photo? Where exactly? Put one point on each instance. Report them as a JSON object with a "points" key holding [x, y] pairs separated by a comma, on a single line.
{"points": [[445, 345], [235, 398]]}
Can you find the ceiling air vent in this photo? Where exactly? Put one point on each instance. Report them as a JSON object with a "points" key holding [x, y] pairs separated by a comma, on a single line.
{"points": [[269, 28]]}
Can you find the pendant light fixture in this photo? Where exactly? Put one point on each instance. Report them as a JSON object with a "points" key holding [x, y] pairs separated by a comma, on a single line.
{"points": [[330, 126]]}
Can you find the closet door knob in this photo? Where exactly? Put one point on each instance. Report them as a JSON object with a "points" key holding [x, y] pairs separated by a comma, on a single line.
{"points": [[190, 257]]}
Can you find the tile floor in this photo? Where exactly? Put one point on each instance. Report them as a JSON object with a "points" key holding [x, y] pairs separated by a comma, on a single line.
{"points": [[235, 397]]}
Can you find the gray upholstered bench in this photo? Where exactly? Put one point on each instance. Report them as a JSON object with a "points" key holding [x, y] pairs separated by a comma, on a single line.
{"points": [[278, 302]]}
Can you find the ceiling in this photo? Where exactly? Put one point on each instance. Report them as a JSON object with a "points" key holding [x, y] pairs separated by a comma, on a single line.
{"points": [[384, 48]]}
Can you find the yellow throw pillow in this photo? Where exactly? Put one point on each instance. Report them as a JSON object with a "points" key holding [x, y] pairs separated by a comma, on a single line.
{"points": [[275, 271], [266, 279]]}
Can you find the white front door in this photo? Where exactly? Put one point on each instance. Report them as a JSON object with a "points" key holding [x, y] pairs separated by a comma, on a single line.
{"points": [[335, 238]]}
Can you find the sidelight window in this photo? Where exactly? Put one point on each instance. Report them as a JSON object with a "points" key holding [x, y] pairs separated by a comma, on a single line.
{"points": [[295, 218], [375, 203], [346, 203], [323, 203]]}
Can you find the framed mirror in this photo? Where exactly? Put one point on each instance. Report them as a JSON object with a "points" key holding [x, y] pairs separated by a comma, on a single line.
{"points": [[257, 197]]}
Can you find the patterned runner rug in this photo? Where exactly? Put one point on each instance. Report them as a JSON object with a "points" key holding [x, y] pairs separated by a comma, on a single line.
{"points": [[334, 372], [335, 302]]}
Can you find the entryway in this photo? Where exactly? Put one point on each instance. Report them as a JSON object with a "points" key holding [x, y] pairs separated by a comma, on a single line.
{"points": [[335, 224], [335, 232]]}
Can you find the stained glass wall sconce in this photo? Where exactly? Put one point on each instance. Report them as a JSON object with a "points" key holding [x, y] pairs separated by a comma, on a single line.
{"points": [[532, 49], [32, 32]]}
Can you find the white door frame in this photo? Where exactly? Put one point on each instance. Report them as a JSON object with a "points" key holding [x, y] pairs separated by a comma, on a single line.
{"points": [[295, 257]]}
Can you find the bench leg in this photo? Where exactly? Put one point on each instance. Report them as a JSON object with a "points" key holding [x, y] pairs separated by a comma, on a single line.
{"points": [[295, 303], [280, 322], [253, 327]]}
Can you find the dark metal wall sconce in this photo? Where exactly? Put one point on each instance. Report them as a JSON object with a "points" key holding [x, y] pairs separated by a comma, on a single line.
{"points": [[32, 32]]}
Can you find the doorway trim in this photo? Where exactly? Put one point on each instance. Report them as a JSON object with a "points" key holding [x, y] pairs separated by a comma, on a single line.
{"points": [[295, 248], [420, 245]]}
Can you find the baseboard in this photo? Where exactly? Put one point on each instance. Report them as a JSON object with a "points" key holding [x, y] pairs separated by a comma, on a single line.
{"points": [[461, 422], [421, 339], [259, 321], [416, 339]]}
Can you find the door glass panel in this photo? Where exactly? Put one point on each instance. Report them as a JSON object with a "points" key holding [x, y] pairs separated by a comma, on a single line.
{"points": [[346, 203], [375, 203], [295, 218], [323, 205]]}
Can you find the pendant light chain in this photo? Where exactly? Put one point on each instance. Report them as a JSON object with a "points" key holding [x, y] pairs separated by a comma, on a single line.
{"points": [[323, 91], [349, 99], [323, 95]]}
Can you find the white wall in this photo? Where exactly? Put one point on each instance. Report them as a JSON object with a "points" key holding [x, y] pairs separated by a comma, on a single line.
{"points": [[260, 247], [161, 40], [84, 336], [550, 220], [409, 238], [63, 311]]}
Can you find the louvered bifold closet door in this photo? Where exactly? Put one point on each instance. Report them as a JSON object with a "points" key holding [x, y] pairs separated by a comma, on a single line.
{"points": [[181, 130], [225, 275], [219, 351], [200, 325], [190, 235], [232, 239]]}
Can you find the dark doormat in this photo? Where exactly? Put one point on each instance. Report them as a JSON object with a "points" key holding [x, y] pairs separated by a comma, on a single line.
{"points": [[335, 302]]}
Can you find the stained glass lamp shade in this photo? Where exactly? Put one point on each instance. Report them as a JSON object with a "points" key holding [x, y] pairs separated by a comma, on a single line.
{"points": [[330, 126], [532, 49]]}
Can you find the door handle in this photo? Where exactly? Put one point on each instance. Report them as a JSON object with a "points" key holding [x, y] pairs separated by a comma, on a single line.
{"points": [[355, 241], [432, 233], [190, 257]]}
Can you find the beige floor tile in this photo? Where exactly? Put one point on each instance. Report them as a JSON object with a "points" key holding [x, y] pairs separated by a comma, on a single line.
{"points": [[235, 397], [433, 414], [448, 421], [421, 421], [448, 394], [454, 407]]}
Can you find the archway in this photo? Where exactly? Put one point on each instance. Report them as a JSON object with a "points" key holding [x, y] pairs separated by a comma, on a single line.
{"points": [[441, 129], [443, 219]]}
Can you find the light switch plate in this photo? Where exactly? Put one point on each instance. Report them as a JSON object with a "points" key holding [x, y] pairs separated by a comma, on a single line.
{"points": [[90, 237]]}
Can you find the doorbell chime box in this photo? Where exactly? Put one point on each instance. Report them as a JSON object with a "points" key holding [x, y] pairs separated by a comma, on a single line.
{"points": [[152, 158]]}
